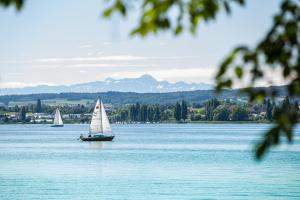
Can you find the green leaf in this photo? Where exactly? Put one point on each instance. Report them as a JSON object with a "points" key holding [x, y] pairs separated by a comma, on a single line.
{"points": [[238, 72], [107, 12], [178, 30], [227, 7]]}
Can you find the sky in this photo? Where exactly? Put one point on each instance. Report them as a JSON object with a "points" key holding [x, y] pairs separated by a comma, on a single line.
{"points": [[66, 42]]}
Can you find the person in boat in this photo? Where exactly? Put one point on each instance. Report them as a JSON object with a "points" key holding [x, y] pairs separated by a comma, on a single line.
{"points": [[90, 135], [81, 136]]}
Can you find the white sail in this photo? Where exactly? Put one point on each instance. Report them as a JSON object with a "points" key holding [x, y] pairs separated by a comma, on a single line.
{"points": [[57, 118], [105, 121], [96, 123], [100, 122]]}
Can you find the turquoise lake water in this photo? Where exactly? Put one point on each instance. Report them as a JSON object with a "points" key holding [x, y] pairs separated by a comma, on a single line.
{"points": [[146, 161]]}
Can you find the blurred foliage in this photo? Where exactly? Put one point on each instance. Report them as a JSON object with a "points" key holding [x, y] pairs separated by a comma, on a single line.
{"points": [[278, 50], [171, 15], [17, 3]]}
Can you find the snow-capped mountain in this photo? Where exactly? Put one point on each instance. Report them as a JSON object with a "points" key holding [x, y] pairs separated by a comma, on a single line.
{"points": [[143, 84]]}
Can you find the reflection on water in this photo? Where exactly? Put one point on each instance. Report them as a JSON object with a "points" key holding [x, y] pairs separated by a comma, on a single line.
{"points": [[153, 161], [99, 145]]}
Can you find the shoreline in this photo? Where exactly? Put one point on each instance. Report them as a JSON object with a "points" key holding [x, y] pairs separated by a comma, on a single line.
{"points": [[194, 122]]}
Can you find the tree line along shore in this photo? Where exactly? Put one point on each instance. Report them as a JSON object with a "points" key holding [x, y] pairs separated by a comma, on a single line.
{"points": [[213, 110]]}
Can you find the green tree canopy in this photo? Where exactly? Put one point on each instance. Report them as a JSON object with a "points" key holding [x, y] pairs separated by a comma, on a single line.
{"points": [[177, 112], [184, 110], [23, 114], [238, 113], [221, 113], [38, 108], [209, 108]]}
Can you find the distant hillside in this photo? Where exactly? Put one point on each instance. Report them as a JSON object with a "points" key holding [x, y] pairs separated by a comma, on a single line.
{"points": [[122, 98], [143, 84]]}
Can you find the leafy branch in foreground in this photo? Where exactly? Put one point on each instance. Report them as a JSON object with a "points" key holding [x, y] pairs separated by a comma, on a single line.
{"points": [[279, 50], [17, 3], [173, 15]]}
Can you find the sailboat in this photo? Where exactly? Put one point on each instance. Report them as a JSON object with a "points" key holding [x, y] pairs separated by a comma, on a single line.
{"points": [[99, 128], [57, 122]]}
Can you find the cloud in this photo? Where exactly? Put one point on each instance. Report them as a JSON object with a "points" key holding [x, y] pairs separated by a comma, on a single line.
{"points": [[171, 68], [112, 58], [162, 44], [97, 65], [106, 43], [106, 66], [85, 46], [90, 53], [98, 58], [21, 84], [201, 74]]}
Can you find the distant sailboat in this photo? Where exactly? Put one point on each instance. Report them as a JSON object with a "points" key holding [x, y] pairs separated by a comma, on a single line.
{"points": [[99, 128], [57, 122]]}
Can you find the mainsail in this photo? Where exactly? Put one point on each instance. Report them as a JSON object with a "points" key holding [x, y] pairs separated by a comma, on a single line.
{"points": [[100, 122], [57, 118], [105, 121]]}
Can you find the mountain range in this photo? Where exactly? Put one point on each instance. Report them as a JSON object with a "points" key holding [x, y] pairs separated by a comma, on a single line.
{"points": [[125, 98], [143, 84]]}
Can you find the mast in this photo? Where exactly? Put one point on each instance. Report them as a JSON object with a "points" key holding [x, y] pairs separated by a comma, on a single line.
{"points": [[101, 115], [55, 121]]}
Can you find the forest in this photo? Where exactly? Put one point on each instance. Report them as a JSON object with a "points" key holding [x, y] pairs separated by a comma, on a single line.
{"points": [[212, 110], [125, 98]]}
